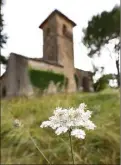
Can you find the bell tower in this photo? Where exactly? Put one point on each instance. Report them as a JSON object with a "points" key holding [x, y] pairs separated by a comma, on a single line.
{"points": [[58, 43], [57, 37]]}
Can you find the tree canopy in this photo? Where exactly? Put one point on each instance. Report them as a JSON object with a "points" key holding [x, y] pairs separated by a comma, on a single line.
{"points": [[3, 36], [103, 82], [101, 29]]}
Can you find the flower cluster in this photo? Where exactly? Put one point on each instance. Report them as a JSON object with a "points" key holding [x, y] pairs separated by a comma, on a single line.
{"points": [[17, 123], [70, 119]]}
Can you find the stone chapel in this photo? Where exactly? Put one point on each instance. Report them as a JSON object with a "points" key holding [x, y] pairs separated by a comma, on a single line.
{"points": [[58, 56]]}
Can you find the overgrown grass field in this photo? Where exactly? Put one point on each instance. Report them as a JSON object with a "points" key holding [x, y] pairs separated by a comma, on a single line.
{"points": [[24, 145]]}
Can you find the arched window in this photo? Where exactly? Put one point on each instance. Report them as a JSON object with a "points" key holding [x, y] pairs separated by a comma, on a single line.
{"points": [[64, 29]]}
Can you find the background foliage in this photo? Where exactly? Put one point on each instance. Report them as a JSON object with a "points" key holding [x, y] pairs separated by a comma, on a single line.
{"points": [[101, 30], [3, 37], [103, 82]]}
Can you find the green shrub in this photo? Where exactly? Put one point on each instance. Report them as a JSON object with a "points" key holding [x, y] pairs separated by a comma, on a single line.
{"points": [[102, 82], [41, 79]]}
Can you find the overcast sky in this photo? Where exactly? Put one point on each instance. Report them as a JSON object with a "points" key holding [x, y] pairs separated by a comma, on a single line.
{"points": [[23, 17]]}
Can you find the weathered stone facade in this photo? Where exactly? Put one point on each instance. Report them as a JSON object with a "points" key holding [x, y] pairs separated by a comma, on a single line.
{"points": [[58, 56], [58, 44], [84, 80], [15, 80]]}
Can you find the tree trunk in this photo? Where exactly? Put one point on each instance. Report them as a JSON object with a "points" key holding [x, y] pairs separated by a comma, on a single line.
{"points": [[118, 72]]}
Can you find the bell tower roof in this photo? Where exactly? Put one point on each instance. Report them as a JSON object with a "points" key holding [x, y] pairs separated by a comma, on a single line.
{"points": [[53, 14]]}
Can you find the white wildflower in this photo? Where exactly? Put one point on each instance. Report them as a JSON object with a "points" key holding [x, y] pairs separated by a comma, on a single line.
{"points": [[90, 125], [17, 123], [64, 120], [78, 133], [61, 130], [45, 124], [82, 106]]}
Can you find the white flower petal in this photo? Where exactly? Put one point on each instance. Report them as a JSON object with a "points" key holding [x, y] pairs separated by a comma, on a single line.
{"points": [[61, 130], [45, 124], [78, 133], [17, 123], [90, 125], [82, 106]]}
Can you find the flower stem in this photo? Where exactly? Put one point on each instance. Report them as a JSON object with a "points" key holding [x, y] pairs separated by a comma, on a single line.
{"points": [[39, 149], [72, 154]]}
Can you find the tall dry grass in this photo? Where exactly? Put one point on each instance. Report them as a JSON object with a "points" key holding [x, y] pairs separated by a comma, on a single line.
{"points": [[100, 146]]}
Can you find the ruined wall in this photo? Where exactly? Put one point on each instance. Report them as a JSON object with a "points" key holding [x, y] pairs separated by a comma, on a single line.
{"points": [[84, 80], [40, 65], [48, 67], [23, 81], [16, 80], [3, 85]]}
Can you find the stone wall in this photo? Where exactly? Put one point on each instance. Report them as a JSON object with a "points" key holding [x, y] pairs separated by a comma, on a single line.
{"points": [[41, 65], [84, 80], [3, 85], [16, 81]]}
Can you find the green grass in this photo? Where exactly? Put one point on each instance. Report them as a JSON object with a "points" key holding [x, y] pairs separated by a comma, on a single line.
{"points": [[100, 146]]}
